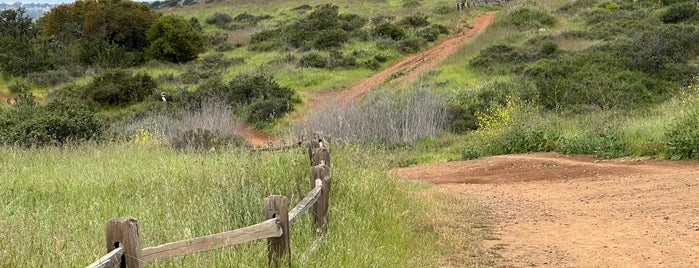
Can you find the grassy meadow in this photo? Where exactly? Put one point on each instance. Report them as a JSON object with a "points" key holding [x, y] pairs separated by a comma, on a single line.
{"points": [[57, 200]]}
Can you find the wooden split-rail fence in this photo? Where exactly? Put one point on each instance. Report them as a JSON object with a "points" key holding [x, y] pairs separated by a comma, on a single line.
{"points": [[124, 247]]}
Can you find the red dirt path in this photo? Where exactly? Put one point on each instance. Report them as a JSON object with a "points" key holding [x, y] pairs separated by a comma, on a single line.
{"points": [[573, 211]]}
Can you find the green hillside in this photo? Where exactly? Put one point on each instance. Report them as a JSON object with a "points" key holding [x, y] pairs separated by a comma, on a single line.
{"points": [[86, 135]]}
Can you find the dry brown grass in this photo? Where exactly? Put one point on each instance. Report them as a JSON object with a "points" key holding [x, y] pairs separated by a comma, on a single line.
{"points": [[242, 36], [460, 223]]}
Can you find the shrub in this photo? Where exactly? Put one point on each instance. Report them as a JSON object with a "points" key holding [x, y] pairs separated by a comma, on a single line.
{"points": [[56, 123], [51, 77], [313, 59], [19, 87], [351, 22], [219, 19], [372, 63], [173, 39], [683, 133], [530, 17], [679, 12], [429, 33], [418, 20], [487, 97], [256, 97], [389, 30], [331, 38], [411, 3], [411, 44], [120, 87], [215, 38]]}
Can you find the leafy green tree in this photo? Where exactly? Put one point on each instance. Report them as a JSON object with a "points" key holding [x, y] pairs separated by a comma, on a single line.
{"points": [[107, 33], [173, 39], [18, 55]]}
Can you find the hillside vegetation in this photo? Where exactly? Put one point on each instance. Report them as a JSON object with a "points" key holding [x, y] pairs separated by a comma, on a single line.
{"points": [[86, 135]]}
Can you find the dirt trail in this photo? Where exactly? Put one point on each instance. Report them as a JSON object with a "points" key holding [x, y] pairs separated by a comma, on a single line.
{"points": [[571, 211], [411, 68]]}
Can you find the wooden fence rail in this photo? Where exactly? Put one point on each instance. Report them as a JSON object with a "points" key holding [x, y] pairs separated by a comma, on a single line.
{"points": [[123, 241]]}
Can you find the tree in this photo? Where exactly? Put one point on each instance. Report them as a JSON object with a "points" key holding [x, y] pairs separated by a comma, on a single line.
{"points": [[173, 39], [17, 53], [103, 32]]}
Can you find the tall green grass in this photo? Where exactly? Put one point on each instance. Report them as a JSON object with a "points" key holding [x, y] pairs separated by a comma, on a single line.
{"points": [[55, 202]]}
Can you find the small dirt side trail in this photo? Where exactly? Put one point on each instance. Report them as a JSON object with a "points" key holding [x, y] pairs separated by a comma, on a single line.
{"points": [[576, 211], [411, 68]]}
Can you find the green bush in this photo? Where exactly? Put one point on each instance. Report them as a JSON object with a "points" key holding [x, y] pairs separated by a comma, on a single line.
{"points": [[120, 87], [372, 63], [257, 97], [389, 30], [487, 96], [173, 39], [219, 19], [331, 38], [56, 123], [418, 20], [20, 86], [683, 137], [430, 33], [411, 44], [352, 22], [313, 59], [593, 79], [679, 12], [683, 134], [411, 3], [530, 17]]}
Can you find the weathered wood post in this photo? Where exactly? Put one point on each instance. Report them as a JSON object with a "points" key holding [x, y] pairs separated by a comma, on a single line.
{"points": [[320, 208], [278, 249], [320, 156], [123, 232], [316, 142]]}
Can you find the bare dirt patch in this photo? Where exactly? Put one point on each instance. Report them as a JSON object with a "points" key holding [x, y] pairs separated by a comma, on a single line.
{"points": [[577, 211]]}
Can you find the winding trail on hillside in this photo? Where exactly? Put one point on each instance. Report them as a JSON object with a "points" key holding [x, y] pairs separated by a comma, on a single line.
{"points": [[578, 211], [410, 69]]}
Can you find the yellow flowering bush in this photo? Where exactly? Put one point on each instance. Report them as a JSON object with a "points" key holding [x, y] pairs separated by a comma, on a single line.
{"points": [[147, 138]]}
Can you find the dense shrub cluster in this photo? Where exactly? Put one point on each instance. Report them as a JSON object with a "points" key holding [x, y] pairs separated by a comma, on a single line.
{"points": [[679, 12], [173, 39], [257, 97], [529, 16], [116, 87], [324, 28], [638, 61], [219, 19], [683, 133], [30, 125], [120, 87]]}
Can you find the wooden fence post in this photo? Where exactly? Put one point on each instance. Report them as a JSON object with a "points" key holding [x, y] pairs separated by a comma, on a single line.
{"points": [[123, 232], [278, 249], [320, 208], [320, 156]]}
